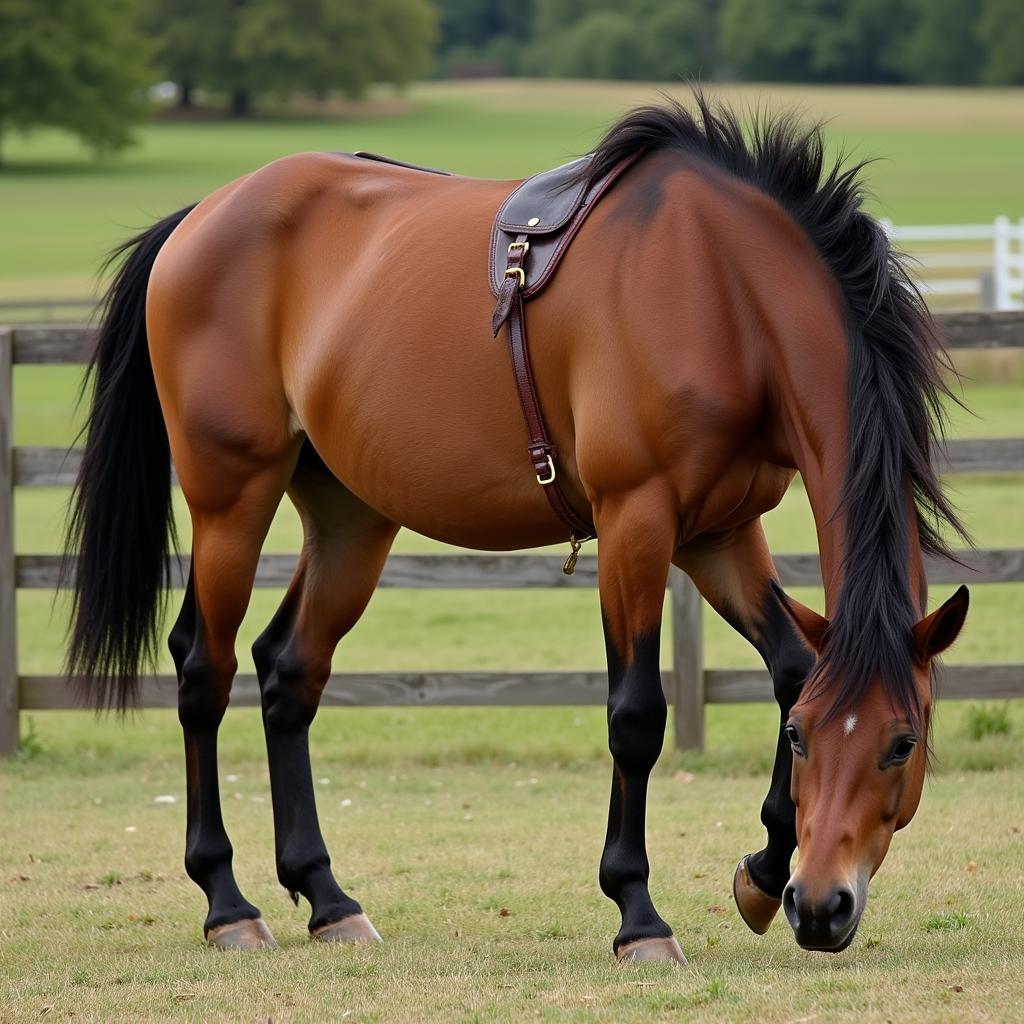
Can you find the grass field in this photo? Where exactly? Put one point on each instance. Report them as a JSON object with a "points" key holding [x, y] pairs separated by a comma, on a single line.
{"points": [[472, 839], [456, 815], [946, 156]]}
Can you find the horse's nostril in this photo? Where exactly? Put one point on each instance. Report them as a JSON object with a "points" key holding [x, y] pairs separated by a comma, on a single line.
{"points": [[844, 903], [789, 902]]}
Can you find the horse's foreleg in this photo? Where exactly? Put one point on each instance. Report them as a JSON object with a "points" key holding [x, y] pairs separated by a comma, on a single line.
{"points": [[336, 577], [226, 547], [638, 535], [735, 575]]}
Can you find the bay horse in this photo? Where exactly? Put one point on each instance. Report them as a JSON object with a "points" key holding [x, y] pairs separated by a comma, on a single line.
{"points": [[728, 316]]}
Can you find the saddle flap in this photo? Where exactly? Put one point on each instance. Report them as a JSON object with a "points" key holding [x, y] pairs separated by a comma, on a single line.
{"points": [[548, 209], [544, 203]]}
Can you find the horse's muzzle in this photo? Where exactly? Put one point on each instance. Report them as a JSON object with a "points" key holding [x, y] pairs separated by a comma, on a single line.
{"points": [[826, 923]]}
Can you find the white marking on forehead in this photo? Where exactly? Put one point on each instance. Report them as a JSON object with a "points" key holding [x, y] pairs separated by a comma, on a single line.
{"points": [[850, 724]]}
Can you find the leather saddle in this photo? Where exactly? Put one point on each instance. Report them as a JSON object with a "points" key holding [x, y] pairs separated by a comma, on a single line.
{"points": [[546, 210], [531, 233]]}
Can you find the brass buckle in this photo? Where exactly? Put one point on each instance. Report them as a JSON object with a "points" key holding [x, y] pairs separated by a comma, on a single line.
{"points": [[525, 246], [521, 274], [550, 478]]}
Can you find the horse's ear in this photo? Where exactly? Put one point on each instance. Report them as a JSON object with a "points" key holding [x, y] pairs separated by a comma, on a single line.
{"points": [[935, 632], [810, 625]]}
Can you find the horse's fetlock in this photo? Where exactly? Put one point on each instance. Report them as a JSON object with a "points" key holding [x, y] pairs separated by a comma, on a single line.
{"points": [[206, 854], [295, 866]]}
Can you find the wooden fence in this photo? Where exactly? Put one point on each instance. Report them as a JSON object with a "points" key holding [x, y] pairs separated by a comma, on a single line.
{"points": [[688, 685]]}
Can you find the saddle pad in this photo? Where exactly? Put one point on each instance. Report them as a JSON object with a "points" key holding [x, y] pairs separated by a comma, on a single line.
{"points": [[546, 202], [548, 209]]}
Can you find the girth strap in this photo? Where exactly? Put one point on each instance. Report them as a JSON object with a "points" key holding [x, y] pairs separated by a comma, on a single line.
{"points": [[542, 452]]}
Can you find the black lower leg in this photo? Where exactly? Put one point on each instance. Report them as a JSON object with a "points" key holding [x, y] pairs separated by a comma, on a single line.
{"points": [[636, 728], [789, 662], [202, 700], [290, 695]]}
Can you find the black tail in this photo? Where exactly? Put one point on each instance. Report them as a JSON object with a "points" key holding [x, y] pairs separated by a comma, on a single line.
{"points": [[121, 523]]}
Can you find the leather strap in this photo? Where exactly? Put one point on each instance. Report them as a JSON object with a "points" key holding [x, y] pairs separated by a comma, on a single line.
{"points": [[542, 453]]}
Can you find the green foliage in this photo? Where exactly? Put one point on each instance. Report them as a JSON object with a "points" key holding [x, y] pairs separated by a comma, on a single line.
{"points": [[946, 921], [988, 720], [941, 47], [71, 64], [278, 46], [469, 23], [638, 39], [812, 40], [1000, 30], [927, 41], [30, 746]]}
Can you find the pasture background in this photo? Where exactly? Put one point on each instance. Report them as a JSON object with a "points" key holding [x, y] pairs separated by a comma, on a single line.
{"points": [[450, 828]]}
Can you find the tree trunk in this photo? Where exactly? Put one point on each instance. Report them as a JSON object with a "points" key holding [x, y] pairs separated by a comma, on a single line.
{"points": [[241, 105], [185, 100]]}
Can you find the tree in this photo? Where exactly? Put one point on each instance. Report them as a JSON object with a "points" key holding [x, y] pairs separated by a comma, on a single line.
{"points": [[1001, 31], [679, 38], [631, 39], [766, 40], [72, 64], [246, 47], [189, 38], [813, 40], [941, 47]]}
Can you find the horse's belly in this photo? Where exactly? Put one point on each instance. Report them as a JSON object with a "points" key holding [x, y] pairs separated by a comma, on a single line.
{"points": [[426, 428]]}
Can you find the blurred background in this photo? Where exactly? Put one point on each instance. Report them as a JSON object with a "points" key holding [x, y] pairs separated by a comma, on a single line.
{"points": [[113, 114]]}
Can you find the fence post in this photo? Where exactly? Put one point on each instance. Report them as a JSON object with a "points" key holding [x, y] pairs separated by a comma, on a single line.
{"points": [[8, 584], [687, 662], [1001, 262]]}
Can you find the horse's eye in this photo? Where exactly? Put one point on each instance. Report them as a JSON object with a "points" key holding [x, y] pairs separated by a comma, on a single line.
{"points": [[902, 749], [793, 735]]}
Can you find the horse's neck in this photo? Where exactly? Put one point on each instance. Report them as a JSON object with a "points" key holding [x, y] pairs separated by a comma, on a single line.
{"points": [[817, 419], [823, 479]]}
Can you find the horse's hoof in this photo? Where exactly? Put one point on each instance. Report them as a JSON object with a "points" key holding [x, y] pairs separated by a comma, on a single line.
{"points": [[756, 907], [663, 950], [251, 933], [354, 928]]}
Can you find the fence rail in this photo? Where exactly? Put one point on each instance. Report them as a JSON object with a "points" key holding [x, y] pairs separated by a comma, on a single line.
{"points": [[688, 685], [1001, 283]]}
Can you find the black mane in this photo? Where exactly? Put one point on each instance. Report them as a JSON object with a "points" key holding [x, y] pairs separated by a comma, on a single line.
{"points": [[895, 387]]}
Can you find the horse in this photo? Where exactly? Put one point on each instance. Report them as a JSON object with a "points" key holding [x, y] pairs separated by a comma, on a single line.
{"points": [[728, 316]]}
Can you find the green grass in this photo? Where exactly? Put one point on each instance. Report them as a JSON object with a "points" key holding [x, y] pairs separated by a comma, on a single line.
{"points": [[457, 815], [946, 156]]}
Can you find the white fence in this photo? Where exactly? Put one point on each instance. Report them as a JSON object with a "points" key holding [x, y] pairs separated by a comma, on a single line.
{"points": [[992, 255]]}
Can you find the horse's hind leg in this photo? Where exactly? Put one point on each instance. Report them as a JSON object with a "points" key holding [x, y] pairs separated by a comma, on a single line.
{"points": [[346, 545], [228, 533]]}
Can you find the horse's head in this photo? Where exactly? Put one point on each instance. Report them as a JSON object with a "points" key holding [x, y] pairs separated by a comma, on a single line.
{"points": [[857, 778]]}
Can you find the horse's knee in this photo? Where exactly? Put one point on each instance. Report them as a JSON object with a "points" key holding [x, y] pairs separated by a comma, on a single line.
{"points": [[637, 713]]}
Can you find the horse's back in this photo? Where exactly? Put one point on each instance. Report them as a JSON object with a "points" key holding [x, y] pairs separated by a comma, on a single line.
{"points": [[348, 300]]}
